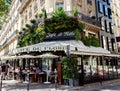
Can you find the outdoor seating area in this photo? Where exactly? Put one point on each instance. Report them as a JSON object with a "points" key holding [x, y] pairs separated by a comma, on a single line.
{"points": [[29, 69]]}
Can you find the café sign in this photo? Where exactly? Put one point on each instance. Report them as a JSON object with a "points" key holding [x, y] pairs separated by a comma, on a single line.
{"points": [[39, 48]]}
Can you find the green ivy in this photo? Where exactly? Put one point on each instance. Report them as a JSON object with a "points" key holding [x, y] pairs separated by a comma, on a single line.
{"points": [[60, 22], [69, 67], [90, 41]]}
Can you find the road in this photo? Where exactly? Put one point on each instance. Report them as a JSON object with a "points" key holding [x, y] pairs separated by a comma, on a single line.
{"points": [[14, 86], [108, 87]]}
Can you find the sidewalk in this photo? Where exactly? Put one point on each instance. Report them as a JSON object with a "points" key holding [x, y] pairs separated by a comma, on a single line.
{"points": [[9, 85]]}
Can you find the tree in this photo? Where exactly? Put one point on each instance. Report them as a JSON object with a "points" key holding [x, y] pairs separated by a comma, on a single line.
{"points": [[4, 7]]}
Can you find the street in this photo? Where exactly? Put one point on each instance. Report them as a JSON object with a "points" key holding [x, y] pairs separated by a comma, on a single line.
{"points": [[10, 86], [109, 87]]}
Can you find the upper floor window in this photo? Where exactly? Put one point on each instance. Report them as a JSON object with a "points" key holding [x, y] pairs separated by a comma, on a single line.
{"points": [[90, 13], [26, 16], [89, 2], [108, 2], [35, 7], [42, 2], [110, 27], [104, 0], [30, 11], [109, 13], [105, 9], [59, 5], [105, 25], [100, 7]]}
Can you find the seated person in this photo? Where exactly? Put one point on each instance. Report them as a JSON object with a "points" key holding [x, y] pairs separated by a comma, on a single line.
{"points": [[37, 74], [38, 70]]}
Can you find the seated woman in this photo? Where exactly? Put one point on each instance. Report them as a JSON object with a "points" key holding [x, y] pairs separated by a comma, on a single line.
{"points": [[38, 70]]}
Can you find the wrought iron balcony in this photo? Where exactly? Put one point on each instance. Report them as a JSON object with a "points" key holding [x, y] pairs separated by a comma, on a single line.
{"points": [[85, 18], [10, 38], [82, 17], [118, 39]]}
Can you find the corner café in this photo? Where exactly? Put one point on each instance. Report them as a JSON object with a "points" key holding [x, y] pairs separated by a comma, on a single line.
{"points": [[90, 59]]}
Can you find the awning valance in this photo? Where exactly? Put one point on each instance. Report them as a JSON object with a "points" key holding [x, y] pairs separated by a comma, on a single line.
{"points": [[71, 46]]}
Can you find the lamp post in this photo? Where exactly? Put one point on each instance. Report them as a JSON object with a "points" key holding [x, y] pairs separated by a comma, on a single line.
{"points": [[1, 82], [55, 72], [27, 81]]}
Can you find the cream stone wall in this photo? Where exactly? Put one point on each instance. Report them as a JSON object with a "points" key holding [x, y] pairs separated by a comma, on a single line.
{"points": [[115, 6], [22, 11]]}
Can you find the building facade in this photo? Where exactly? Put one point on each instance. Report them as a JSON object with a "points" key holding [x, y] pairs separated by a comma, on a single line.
{"points": [[8, 37], [104, 15], [115, 7], [90, 59], [22, 11]]}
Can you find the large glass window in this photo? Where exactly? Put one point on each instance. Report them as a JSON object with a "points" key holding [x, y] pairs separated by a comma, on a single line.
{"points": [[100, 7], [105, 9], [105, 25], [110, 27], [109, 13], [108, 2], [104, 43], [109, 43]]}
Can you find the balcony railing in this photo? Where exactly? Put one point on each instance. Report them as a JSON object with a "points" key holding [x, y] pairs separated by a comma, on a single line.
{"points": [[9, 38], [82, 17], [85, 18]]}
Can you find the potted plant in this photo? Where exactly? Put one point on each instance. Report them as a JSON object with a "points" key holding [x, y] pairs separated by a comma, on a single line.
{"points": [[40, 15], [69, 69], [93, 17], [28, 25], [20, 32], [33, 21], [23, 29]]}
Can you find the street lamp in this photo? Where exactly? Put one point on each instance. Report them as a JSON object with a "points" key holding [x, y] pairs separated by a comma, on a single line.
{"points": [[55, 72], [1, 82]]}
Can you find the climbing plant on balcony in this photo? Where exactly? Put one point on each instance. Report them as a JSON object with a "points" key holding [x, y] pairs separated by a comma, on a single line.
{"points": [[60, 22], [33, 37], [90, 41]]}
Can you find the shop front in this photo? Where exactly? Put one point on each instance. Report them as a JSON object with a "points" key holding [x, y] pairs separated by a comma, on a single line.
{"points": [[93, 62]]}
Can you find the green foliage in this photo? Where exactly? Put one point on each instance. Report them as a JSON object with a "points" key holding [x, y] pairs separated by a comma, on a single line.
{"points": [[4, 8], [118, 49], [36, 36], [23, 29], [60, 22], [77, 34], [75, 12], [44, 13], [27, 25], [40, 15], [33, 21], [20, 32], [90, 41], [69, 67], [93, 17]]}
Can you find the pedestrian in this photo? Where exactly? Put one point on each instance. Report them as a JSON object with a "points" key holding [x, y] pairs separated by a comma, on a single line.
{"points": [[3, 70], [100, 75]]}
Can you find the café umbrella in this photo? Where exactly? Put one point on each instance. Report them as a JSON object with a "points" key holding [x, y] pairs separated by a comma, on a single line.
{"points": [[47, 56]]}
